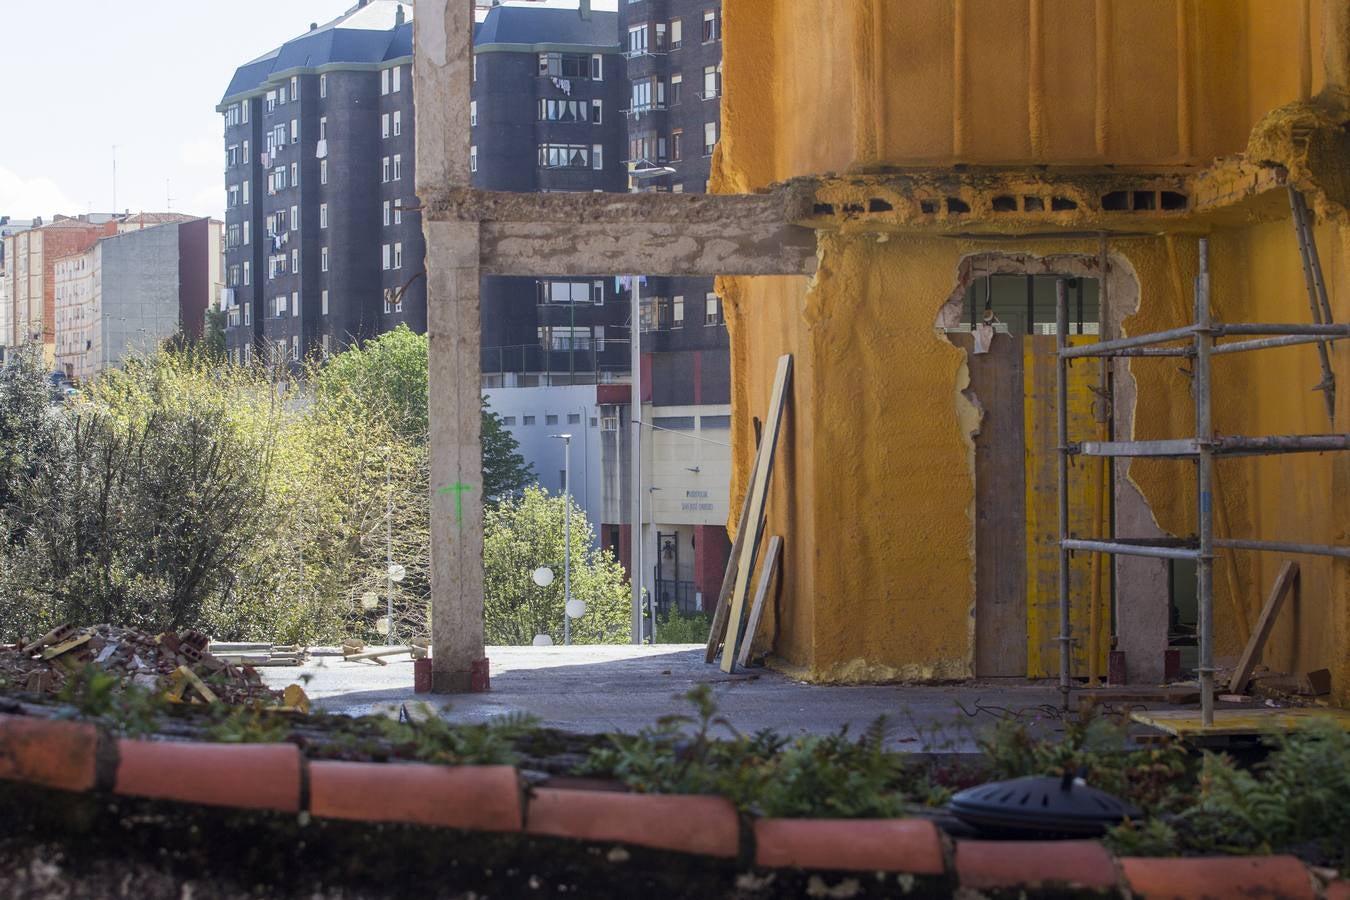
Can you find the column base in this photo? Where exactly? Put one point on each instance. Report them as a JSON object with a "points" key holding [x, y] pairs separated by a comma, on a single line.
{"points": [[474, 681]]}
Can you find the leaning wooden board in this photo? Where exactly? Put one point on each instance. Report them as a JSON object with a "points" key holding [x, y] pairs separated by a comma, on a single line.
{"points": [[766, 576], [759, 490], [719, 621]]}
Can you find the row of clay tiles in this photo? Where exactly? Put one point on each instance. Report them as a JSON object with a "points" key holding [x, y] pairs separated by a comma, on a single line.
{"points": [[74, 756]]}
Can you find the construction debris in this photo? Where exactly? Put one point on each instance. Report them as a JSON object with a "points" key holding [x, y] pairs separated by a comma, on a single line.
{"points": [[355, 651], [176, 664]]}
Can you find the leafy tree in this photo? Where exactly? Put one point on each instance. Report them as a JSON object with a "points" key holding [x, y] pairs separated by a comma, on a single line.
{"points": [[386, 378], [213, 337], [25, 421], [505, 471], [523, 534]]}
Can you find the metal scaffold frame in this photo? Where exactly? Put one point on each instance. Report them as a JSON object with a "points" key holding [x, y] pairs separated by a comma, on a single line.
{"points": [[1203, 448]]}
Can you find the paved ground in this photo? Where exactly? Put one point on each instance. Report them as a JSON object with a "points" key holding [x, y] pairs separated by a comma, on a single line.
{"points": [[624, 688]]}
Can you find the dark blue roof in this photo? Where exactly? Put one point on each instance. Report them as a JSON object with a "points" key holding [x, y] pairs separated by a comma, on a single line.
{"points": [[544, 25], [334, 44]]}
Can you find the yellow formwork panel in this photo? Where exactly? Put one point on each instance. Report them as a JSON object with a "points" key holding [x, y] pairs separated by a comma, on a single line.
{"points": [[1185, 723], [1042, 442]]}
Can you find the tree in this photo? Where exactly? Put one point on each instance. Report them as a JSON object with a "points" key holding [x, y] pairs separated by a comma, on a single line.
{"points": [[213, 336], [386, 377], [25, 421], [522, 534]]}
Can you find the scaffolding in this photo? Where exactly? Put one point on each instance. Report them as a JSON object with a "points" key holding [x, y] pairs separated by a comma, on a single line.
{"points": [[1203, 344]]}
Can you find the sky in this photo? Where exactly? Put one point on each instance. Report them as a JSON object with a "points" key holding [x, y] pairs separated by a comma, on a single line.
{"points": [[144, 75]]}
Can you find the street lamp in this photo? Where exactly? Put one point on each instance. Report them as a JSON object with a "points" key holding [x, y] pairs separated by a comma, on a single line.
{"points": [[567, 535]]}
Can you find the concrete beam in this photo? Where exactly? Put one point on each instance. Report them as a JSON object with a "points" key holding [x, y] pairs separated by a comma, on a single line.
{"points": [[442, 74]]}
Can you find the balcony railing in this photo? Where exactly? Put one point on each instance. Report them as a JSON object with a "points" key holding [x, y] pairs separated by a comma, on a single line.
{"points": [[529, 365]]}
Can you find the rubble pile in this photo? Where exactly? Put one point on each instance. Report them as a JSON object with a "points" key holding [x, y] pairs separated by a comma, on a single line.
{"points": [[176, 664]]}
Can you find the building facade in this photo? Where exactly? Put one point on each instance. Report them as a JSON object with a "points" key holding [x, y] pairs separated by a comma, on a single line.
{"points": [[323, 245], [672, 117], [130, 291]]}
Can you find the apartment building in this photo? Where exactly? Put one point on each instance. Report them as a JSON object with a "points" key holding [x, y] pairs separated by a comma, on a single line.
{"points": [[323, 244], [152, 280], [8, 226], [673, 62]]}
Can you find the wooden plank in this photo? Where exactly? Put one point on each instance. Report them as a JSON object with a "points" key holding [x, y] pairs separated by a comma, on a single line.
{"points": [[1286, 579], [766, 576], [1000, 508], [758, 495], [719, 621], [1186, 723]]}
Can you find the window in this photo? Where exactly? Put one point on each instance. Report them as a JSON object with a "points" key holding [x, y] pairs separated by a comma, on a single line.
{"points": [[676, 34], [279, 136], [597, 67], [295, 88], [295, 346], [569, 65], [323, 302], [279, 305], [710, 29], [565, 291], [323, 171], [677, 312], [232, 279], [295, 174], [574, 418], [711, 77], [231, 156], [384, 81], [295, 303], [676, 88], [323, 259], [248, 315], [281, 96], [597, 156], [323, 215], [384, 256], [637, 40], [597, 107], [475, 67], [384, 125], [473, 158], [271, 100], [388, 305], [677, 144], [550, 420], [660, 45], [323, 86], [398, 79], [564, 338], [248, 273], [398, 211], [388, 207], [398, 165], [398, 255], [295, 131], [323, 128], [384, 170], [398, 121], [295, 218], [246, 192], [564, 110], [295, 260], [714, 309], [508, 420], [243, 113], [232, 196], [325, 344], [709, 138], [247, 231], [564, 156], [527, 420]]}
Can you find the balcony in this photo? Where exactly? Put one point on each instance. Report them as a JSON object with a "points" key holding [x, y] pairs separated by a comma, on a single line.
{"points": [[588, 361]]}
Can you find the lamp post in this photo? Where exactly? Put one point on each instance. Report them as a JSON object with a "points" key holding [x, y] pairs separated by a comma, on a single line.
{"points": [[567, 535]]}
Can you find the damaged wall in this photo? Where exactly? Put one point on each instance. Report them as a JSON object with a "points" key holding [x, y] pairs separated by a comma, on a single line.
{"points": [[875, 488]]}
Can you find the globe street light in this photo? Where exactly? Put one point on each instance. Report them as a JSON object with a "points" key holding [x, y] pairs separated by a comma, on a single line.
{"points": [[567, 535]]}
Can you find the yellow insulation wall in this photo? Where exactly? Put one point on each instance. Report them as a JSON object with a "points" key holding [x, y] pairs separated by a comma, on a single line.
{"points": [[874, 491]]}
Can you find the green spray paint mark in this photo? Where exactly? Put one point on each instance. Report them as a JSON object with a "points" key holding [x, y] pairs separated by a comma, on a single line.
{"points": [[458, 490]]}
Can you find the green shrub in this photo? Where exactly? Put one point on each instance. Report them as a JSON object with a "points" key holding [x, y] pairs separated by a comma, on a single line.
{"points": [[678, 628]]}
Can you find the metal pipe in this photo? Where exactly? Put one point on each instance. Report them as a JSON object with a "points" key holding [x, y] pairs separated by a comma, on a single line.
{"points": [[1328, 330], [635, 460], [1265, 343], [1204, 434], [1103, 472], [1284, 547], [1317, 291], [1296, 443], [1062, 458], [1142, 351], [1121, 549], [1143, 340]]}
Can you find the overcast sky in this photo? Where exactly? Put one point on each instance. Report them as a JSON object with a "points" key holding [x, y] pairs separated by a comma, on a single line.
{"points": [[145, 75]]}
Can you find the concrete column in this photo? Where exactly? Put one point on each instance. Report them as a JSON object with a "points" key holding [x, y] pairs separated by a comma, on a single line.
{"points": [[442, 77]]}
